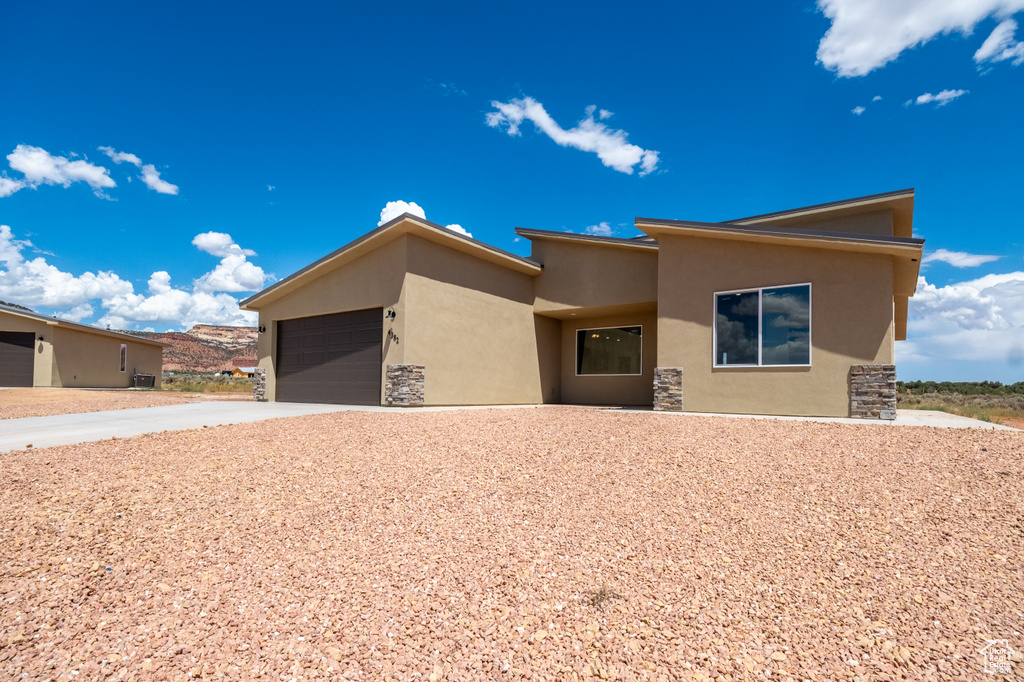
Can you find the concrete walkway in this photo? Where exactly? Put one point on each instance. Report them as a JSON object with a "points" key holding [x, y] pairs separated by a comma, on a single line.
{"points": [[935, 418], [67, 429]]}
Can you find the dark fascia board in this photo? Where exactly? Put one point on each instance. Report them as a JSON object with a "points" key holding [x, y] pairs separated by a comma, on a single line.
{"points": [[634, 242], [57, 322], [380, 230], [871, 198], [816, 235]]}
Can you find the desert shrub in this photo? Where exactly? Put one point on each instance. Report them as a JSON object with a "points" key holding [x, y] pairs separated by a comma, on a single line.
{"points": [[205, 382]]}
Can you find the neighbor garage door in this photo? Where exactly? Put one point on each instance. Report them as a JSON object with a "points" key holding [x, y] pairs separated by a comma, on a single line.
{"points": [[330, 358], [16, 358]]}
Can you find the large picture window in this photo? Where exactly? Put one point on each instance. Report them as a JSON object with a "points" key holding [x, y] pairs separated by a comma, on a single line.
{"points": [[609, 351], [770, 326]]}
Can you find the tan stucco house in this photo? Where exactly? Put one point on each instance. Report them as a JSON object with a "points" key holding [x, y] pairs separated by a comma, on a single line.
{"points": [[794, 313], [40, 351]]}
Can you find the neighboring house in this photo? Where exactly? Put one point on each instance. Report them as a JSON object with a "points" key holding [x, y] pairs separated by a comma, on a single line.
{"points": [[795, 313], [243, 372], [36, 350]]}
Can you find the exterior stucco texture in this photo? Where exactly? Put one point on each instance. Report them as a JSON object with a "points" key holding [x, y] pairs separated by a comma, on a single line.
{"points": [[73, 357], [480, 327]]}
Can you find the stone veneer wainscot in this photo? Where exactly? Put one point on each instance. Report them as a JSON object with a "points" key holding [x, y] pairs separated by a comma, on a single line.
{"points": [[668, 389], [873, 391], [404, 385]]}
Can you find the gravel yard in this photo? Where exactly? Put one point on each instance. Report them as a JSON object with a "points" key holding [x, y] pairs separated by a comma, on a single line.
{"points": [[553, 543], [44, 402]]}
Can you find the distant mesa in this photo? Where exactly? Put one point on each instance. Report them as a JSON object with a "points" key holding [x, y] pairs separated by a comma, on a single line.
{"points": [[207, 348]]}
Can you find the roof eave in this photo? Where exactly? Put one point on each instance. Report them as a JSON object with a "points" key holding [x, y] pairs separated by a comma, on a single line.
{"points": [[75, 326], [403, 224], [589, 238]]}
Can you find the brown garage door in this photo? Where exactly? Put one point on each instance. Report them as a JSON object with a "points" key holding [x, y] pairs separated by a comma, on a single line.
{"points": [[16, 358], [330, 358]]}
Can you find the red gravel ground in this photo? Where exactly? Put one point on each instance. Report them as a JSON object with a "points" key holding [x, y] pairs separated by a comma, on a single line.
{"points": [[43, 402], [543, 544]]}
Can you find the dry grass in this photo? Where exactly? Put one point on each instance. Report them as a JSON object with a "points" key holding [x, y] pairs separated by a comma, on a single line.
{"points": [[1001, 409], [472, 545]]}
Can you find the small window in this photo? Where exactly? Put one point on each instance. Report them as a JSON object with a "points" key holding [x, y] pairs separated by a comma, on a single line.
{"points": [[770, 326], [609, 351]]}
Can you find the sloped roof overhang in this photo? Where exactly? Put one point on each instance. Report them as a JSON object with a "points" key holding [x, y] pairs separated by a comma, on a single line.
{"points": [[900, 202], [403, 224], [585, 238], [904, 251], [55, 322]]}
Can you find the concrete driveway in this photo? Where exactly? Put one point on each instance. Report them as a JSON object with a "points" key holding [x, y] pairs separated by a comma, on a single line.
{"points": [[66, 429]]}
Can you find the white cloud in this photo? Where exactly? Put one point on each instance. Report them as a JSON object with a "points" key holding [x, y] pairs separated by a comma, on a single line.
{"points": [[393, 209], [876, 98], [941, 99], [40, 167], [868, 34], [980, 321], [219, 244], [118, 157], [589, 135], [9, 186], [602, 229], [1001, 45], [270, 188], [150, 175], [459, 229], [958, 259], [36, 283], [78, 313], [234, 272], [857, 111]]}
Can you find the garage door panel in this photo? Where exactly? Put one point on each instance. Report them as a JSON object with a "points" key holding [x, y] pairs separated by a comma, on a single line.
{"points": [[17, 360], [331, 358]]}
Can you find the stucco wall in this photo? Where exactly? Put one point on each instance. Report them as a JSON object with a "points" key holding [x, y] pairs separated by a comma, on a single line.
{"points": [[610, 390], [851, 323], [470, 323], [87, 360], [581, 275], [67, 357], [373, 281], [42, 371]]}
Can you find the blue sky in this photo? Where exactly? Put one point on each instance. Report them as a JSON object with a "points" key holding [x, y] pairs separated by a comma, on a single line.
{"points": [[164, 162]]}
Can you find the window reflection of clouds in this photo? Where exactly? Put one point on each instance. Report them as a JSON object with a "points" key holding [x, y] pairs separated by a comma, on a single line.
{"points": [[784, 339], [737, 329], [786, 326]]}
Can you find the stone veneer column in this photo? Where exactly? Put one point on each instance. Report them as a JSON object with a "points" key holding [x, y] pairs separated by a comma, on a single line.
{"points": [[259, 385], [873, 391], [668, 389], [404, 385]]}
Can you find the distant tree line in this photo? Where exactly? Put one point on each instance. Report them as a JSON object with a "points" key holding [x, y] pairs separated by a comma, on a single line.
{"points": [[961, 387]]}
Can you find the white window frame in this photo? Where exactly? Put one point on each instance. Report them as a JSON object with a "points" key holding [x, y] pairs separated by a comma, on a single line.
{"points": [[760, 322], [576, 344]]}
